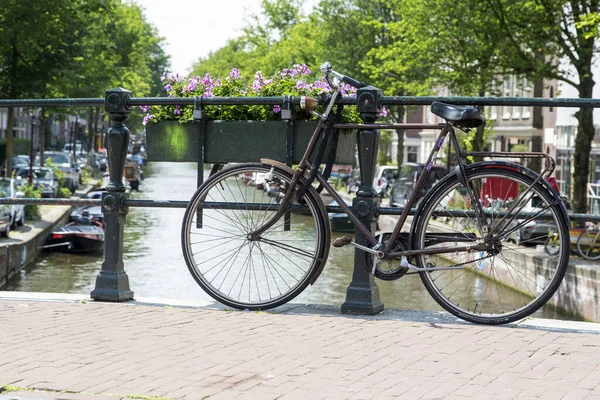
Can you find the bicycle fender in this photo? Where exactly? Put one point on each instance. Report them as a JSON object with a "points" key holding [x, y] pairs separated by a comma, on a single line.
{"points": [[322, 210]]}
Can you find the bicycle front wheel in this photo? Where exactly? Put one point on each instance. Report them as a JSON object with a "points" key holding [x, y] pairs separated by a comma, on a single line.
{"points": [[245, 272], [507, 282], [588, 245]]}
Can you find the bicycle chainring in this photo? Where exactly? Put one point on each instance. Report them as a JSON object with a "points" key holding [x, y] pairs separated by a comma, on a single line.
{"points": [[387, 270]]}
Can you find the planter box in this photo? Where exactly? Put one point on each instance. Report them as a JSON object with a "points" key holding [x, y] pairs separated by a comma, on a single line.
{"points": [[236, 141]]}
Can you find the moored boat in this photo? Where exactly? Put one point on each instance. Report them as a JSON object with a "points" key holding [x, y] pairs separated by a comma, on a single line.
{"points": [[85, 235], [75, 238]]}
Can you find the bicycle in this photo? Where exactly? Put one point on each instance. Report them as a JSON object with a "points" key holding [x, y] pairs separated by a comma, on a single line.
{"points": [[588, 244], [253, 252], [552, 244]]}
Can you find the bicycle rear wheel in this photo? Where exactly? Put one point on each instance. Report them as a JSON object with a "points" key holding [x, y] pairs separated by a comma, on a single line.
{"points": [[507, 282], [588, 245], [241, 271]]}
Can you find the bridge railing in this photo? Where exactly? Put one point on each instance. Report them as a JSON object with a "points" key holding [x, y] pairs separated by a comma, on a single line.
{"points": [[112, 282]]}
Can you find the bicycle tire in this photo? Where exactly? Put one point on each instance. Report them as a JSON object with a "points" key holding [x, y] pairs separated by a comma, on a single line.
{"points": [[248, 273], [466, 291], [588, 247]]}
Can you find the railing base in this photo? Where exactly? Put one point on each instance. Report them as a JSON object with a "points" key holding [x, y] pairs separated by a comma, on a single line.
{"points": [[362, 299], [112, 286]]}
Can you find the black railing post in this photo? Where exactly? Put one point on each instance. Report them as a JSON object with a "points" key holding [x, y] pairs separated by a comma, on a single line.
{"points": [[112, 283], [362, 296]]}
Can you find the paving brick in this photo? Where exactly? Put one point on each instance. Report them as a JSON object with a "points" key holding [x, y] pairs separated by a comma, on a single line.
{"points": [[189, 353]]}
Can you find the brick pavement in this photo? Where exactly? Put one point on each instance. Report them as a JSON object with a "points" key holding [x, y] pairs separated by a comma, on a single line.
{"points": [[89, 350]]}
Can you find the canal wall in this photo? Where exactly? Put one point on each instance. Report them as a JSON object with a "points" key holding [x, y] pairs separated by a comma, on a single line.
{"points": [[578, 294], [25, 243]]}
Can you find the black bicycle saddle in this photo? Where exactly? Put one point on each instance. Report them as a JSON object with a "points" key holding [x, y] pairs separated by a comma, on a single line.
{"points": [[468, 117]]}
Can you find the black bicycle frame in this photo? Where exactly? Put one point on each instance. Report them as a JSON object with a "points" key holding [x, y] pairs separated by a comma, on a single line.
{"points": [[460, 164]]}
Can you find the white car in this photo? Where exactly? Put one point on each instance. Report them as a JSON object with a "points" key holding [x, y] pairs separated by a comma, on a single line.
{"points": [[383, 179], [8, 188]]}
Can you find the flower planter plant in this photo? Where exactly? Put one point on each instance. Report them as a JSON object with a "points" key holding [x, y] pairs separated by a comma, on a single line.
{"points": [[238, 133], [294, 81]]}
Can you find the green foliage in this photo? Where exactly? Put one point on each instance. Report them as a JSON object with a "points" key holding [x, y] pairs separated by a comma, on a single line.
{"points": [[295, 81], [385, 141], [87, 173], [63, 192], [31, 211], [589, 24]]}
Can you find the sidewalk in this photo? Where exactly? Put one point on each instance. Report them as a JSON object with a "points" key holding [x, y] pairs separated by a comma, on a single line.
{"points": [[68, 348]]}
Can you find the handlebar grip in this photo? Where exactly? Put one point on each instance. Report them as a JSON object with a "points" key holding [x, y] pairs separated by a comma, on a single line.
{"points": [[352, 82]]}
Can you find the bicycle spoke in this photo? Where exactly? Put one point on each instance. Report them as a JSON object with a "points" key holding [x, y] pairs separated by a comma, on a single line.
{"points": [[228, 263]]}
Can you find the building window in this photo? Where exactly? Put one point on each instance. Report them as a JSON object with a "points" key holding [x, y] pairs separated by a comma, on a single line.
{"points": [[516, 92], [412, 153]]}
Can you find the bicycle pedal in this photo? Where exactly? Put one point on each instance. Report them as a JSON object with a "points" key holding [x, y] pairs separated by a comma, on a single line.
{"points": [[342, 241]]}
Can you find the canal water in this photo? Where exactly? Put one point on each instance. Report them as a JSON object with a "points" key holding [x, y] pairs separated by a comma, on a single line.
{"points": [[155, 266]]}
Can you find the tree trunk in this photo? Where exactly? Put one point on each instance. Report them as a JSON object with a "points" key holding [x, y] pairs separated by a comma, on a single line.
{"points": [[583, 147], [583, 142], [42, 133], [9, 142], [478, 141], [90, 129], [399, 116], [95, 129]]}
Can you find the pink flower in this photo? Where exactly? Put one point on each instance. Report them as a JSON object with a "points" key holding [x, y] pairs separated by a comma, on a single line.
{"points": [[234, 74], [147, 118], [384, 111], [276, 109], [177, 111], [145, 108], [206, 81]]}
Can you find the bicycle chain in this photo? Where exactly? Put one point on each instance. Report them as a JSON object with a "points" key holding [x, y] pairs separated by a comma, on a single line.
{"points": [[455, 265]]}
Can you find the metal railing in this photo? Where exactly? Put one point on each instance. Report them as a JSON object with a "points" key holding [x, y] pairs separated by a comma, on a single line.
{"points": [[112, 283]]}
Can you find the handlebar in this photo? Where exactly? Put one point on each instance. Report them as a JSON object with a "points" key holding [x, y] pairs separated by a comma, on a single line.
{"points": [[326, 69]]}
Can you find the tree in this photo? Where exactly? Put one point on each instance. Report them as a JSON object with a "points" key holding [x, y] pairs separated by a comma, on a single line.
{"points": [[31, 63], [75, 48], [550, 35]]}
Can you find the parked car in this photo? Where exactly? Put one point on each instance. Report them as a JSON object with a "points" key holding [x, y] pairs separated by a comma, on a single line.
{"points": [[535, 231], [20, 161], [403, 186], [4, 220], [68, 148], [43, 177], [66, 164], [8, 188], [384, 177]]}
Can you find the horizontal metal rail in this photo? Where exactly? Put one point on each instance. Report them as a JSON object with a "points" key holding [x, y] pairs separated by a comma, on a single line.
{"points": [[262, 206], [385, 100]]}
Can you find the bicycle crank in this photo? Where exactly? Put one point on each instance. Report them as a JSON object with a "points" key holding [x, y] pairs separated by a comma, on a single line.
{"points": [[346, 240]]}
